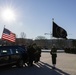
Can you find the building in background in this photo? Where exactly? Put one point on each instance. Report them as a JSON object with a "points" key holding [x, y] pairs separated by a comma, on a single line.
{"points": [[44, 43]]}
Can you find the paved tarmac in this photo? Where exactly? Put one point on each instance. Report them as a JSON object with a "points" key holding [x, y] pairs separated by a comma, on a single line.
{"points": [[66, 65]]}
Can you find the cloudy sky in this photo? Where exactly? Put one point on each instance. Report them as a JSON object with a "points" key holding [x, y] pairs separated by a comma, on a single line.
{"points": [[34, 17]]}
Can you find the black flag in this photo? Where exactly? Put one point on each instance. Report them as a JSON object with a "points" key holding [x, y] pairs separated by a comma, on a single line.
{"points": [[58, 31]]}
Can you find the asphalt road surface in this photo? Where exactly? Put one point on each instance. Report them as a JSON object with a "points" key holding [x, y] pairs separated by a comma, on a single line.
{"points": [[66, 65]]}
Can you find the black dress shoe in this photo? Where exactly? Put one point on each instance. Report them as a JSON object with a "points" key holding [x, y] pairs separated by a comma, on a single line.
{"points": [[53, 67]]}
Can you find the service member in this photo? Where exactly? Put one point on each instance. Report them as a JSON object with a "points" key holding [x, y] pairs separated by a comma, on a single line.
{"points": [[53, 53]]}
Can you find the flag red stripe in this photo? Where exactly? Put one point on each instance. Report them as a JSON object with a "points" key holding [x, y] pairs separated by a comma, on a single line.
{"points": [[10, 37]]}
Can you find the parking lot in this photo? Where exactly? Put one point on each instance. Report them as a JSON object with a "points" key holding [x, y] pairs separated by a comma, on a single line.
{"points": [[66, 65]]}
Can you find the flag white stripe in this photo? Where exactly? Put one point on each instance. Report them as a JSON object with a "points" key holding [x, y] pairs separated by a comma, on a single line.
{"points": [[10, 37]]}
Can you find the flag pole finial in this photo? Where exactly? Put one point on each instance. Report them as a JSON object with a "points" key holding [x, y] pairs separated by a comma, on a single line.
{"points": [[52, 19], [4, 26]]}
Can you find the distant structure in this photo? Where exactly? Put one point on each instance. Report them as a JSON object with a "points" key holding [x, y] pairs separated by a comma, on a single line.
{"points": [[44, 43]]}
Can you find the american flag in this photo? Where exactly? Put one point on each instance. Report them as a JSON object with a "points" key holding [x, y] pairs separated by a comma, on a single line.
{"points": [[8, 35]]}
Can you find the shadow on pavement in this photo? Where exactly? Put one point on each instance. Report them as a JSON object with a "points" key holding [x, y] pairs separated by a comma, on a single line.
{"points": [[55, 71], [40, 68]]}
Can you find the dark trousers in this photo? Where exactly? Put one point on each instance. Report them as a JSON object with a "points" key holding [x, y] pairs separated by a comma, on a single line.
{"points": [[54, 58]]}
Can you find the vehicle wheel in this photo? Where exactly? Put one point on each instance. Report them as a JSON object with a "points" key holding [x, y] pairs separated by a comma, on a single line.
{"points": [[20, 63]]}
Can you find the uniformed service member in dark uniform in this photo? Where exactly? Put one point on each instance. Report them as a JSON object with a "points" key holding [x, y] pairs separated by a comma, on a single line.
{"points": [[53, 53], [31, 52], [34, 54], [37, 54]]}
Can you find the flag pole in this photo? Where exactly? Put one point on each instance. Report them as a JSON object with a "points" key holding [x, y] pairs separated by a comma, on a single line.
{"points": [[53, 19], [1, 37], [52, 32], [52, 25], [5, 42]]}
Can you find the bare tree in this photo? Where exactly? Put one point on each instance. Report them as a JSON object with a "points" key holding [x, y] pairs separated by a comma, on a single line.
{"points": [[41, 41], [40, 37], [23, 41], [23, 35]]}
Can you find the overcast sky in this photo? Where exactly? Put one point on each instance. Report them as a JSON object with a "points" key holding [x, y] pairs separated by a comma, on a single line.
{"points": [[34, 17]]}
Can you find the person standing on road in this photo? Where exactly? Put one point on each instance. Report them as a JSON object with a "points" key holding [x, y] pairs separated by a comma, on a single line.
{"points": [[37, 54], [53, 53], [31, 52]]}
